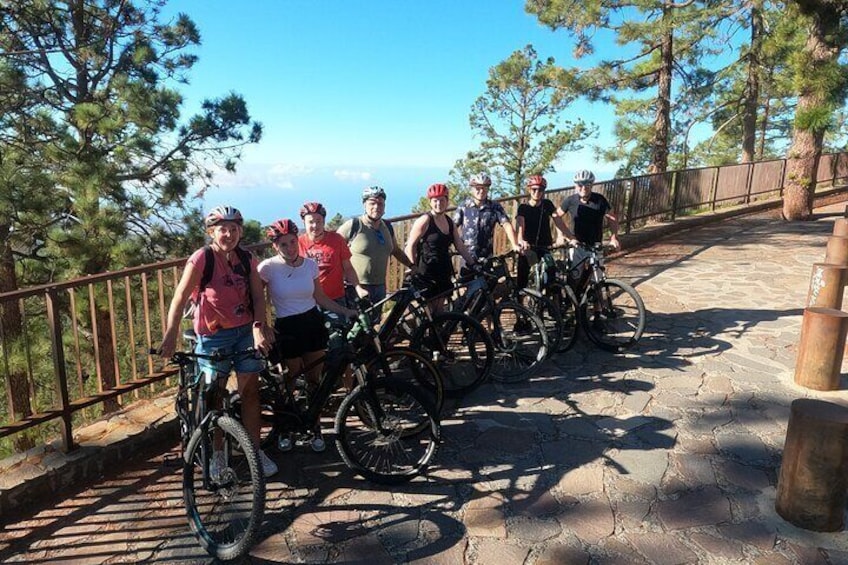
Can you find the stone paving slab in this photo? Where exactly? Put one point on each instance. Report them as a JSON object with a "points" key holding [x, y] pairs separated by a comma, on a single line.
{"points": [[667, 454]]}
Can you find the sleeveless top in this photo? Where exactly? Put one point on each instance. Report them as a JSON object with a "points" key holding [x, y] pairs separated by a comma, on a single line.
{"points": [[434, 257]]}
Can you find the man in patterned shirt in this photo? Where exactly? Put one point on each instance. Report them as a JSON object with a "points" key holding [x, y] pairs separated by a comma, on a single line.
{"points": [[477, 217]]}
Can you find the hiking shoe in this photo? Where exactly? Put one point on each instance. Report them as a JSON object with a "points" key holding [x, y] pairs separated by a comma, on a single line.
{"points": [[285, 442], [217, 465], [268, 466]]}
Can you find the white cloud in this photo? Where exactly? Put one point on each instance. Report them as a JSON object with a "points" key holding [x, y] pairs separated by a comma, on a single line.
{"points": [[262, 175], [347, 176]]}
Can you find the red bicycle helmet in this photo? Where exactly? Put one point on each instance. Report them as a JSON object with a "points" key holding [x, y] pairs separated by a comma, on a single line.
{"points": [[280, 228], [437, 191], [537, 180], [313, 208], [220, 214]]}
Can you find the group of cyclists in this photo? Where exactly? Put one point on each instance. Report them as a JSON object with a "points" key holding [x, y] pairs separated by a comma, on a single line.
{"points": [[319, 273]]}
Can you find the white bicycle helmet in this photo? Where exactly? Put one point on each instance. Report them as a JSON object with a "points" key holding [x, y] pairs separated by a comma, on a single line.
{"points": [[220, 214], [373, 192], [480, 179], [584, 177]]}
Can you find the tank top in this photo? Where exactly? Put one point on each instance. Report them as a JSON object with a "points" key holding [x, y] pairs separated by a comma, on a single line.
{"points": [[434, 252]]}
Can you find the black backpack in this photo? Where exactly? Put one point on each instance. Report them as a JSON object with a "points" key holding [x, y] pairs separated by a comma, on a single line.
{"points": [[206, 277]]}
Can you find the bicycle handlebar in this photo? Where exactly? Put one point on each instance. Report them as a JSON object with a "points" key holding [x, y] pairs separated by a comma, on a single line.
{"points": [[186, 357]]}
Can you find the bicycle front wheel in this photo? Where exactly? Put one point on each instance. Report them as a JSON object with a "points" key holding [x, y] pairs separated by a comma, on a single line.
{"points": [[460, 349], [225, 510], [412, 367], [521, 342], [374, 431], [566, 304], [613, 315]]}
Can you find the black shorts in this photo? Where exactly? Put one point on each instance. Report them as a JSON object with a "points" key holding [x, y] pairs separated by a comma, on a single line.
{"points": [[299, 334]]}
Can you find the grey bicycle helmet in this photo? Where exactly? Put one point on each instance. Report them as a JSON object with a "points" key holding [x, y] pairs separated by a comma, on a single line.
{"points": [[584, 177], [373, 192]]}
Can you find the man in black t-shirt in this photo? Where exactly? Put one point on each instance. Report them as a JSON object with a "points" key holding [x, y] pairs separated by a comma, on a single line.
{"points": [[587, 211], [533, 225]]}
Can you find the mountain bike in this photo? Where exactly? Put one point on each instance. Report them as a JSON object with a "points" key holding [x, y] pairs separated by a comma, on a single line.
{"points": [[519, 336], [386, 428], [225, 505], [457, 344], [611, 312]]}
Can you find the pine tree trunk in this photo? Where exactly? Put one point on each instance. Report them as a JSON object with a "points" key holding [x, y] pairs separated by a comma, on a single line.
{"points": [[803, 158], [662, 122], [752, 89], [108, 375], [11, 326]]}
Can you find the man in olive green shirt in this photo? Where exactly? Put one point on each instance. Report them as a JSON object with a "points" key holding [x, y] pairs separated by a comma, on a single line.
{"points": [[372, 241]]}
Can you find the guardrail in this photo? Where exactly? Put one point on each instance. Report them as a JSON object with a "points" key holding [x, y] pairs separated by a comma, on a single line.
{"points": [[76, 351]]}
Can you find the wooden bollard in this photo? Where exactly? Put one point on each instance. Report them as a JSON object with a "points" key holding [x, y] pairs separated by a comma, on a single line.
{"points": [[827, 285], [823, 333], [840, 227], [837, 250], [811, 487]]}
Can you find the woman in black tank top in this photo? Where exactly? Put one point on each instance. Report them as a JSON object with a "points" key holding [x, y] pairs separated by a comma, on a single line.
{"points": [[428, 245]]}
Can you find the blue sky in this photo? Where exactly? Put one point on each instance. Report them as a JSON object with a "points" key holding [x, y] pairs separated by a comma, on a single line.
{"points": [[358, 93]]}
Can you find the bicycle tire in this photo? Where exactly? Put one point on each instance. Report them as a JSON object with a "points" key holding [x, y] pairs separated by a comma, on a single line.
{"points": [[617, 325], [226, 517], [520, 339], [566, 304], [460, 349], [379, 446], [413, 367], [547, 311]]}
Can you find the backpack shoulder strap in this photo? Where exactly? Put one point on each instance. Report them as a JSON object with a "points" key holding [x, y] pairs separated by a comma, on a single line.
{"points": [[244, 256], [390, 227], [208, 267], [355, 226]]}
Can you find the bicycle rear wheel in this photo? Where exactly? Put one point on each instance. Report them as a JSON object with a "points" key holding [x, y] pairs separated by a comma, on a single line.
{"points": [[374, 431], [225, 511], [412, 367], [521, 342], [613, 315], [460, 349], [547, 311]]}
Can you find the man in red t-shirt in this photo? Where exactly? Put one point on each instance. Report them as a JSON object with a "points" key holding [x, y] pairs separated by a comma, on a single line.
{"points": [[330, 251]]}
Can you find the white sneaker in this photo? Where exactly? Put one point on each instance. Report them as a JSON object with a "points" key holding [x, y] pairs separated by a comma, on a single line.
{"points": [[217, 465], [268, 467]]}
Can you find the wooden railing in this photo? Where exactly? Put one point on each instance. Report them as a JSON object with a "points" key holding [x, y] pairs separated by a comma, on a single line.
{"points": [[73, 352]]}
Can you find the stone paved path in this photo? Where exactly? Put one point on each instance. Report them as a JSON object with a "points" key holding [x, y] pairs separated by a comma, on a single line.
{"points": [[667, 454]]}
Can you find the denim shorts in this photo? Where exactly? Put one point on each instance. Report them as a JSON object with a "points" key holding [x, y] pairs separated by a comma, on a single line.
{"points": [[227, 341]]}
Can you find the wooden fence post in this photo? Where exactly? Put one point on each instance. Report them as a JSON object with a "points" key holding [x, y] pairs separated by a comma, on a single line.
{"points": [[748, 180], [675, 181], [714, 190], [811, 486], [57, 347]]}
